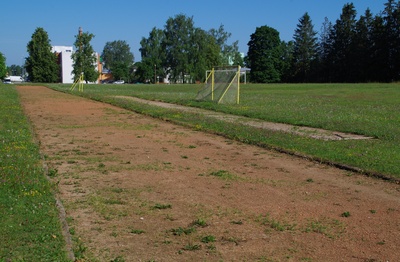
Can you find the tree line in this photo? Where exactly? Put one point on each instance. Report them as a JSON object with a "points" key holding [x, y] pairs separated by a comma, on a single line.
{"points": [[183, 52], [350, 50], [366, 49]]}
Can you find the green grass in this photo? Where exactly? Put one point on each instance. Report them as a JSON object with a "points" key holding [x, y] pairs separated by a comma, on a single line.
{"points": [[208, 239], [331, 228], [225, 175], [162, 206], [277, 225], [137, 231], [29, 228], [366, 109], [180, 231]]}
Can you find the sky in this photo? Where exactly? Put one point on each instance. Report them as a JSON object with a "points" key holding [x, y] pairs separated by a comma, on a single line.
{"points": [[131, 20]]}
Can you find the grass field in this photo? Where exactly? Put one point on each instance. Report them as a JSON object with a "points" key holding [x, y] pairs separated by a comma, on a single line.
{"points": [[29, 228], [366, 109]]}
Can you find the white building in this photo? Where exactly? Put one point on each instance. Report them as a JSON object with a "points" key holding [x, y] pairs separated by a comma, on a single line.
{"points": [[64, 54]]}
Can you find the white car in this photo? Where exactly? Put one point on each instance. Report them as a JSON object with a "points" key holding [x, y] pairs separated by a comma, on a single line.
{"points": [[119, 82]]}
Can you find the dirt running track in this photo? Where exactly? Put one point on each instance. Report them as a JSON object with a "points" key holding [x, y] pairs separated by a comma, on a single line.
{"points": [[140, 189]]}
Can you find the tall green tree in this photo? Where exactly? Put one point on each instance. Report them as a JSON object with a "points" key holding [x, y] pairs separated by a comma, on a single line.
{"points": [[3, 67], [324, 52], [153, 57], [287, 61], [179, 47], [117, 57], [206, 54], [363, 43], [325, 40], [391, 19], [84, 58], [265, 55], [343, 45], [41, 64], [305, 49], [379, 51]]}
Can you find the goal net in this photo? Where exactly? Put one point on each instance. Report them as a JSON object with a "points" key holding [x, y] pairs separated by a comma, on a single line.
{"points": [[222, 86]]}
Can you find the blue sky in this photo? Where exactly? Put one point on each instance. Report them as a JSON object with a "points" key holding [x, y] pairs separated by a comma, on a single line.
{"points": [[130, 20]]}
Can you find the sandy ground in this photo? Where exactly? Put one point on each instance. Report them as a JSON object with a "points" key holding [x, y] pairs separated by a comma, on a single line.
{"points": [[140, 189]]}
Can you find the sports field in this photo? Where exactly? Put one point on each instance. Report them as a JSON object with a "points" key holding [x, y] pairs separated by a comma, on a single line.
{"points": [[138, 188], [366, 109]]}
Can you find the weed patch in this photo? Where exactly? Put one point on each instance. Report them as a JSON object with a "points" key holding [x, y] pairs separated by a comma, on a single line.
{"points": [[331, 228], [225, 175], [162, 206], [277, 225], [180, 231], [208, 239], [199, 223], [192, 247], [137, 231]]}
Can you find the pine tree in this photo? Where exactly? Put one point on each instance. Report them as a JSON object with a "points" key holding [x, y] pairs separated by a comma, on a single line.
{"points": [[363, 67], [379, 52], [41, 64], [265, 55], [343, 45], [305, 50], [391, 18], [325, 51]]}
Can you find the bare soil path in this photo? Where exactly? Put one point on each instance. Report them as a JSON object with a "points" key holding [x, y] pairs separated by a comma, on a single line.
{"points": [[141, 189], [316, 133]]}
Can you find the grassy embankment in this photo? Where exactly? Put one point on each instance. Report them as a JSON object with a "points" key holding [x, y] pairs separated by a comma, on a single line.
{"points": [[366, 109], [29, 228]]}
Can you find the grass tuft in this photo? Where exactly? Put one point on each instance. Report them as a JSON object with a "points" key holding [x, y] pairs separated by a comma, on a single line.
{"points": [[162, 206]]}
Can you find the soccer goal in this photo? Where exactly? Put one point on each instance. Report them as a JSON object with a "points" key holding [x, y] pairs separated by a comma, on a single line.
{"points": [[222, 85]]}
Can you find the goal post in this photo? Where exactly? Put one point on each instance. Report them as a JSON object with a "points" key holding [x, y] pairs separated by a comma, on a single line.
{"points": [[222, 86]]}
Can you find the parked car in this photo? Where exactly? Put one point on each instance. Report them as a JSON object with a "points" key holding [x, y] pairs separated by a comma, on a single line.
{"points": [[15, 79], [119, 82]]}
